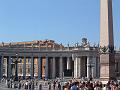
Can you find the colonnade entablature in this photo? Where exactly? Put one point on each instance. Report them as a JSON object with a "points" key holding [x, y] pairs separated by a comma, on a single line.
{"points": [[50, 53]]}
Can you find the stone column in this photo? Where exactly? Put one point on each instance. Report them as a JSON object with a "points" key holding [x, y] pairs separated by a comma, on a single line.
{"points": [[32, 67], [16, 67], [53, 68], [68, 63], [98, 67], [88, 67], [94, 68], [24, 68], [83, 69], [1, 67], [79, 67], [39, 68], [46, 68], [5, 66], [9, 67], [75, 67], [61, 67]]}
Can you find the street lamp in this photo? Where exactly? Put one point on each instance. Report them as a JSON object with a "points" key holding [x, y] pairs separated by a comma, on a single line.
{"points": [[90, 72], [16, 67], [90, 66]]}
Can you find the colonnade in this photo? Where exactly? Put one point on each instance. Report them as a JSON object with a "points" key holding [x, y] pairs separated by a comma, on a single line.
{"points": [[86, 67], [52, 67], [47, 67]]}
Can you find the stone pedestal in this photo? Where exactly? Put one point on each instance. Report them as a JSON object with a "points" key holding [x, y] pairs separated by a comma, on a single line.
{"points": [[107, 66]]}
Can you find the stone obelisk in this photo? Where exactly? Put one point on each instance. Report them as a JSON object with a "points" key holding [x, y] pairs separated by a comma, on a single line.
{"points": [[107, 60]]}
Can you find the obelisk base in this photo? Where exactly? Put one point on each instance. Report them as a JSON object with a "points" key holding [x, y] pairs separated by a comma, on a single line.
{"points": [[107, 66]]}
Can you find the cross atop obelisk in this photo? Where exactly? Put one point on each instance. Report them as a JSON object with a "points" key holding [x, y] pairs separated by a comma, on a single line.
{"points": [[107, 61]]}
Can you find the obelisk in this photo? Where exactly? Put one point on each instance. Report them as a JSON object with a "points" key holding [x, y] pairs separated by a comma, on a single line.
{"points": [[107, 60]]}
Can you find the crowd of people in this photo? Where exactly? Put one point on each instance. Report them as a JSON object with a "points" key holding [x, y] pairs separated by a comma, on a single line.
{"points": [[21, 84], [93, 85], [87, 85], [58, 84]]}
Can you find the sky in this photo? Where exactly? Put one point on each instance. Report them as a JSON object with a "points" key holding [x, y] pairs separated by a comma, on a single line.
{"points": [[65, 21]]}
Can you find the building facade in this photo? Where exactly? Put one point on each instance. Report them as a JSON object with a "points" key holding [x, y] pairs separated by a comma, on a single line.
{"points": [[49, 60]]}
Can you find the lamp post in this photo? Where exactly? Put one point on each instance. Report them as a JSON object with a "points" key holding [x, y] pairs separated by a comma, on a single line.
{"points": [[90, 66], [16, 67], [90, 71]]}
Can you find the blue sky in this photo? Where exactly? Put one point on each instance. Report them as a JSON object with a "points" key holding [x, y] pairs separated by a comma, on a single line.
{"points": [[65, 21]]}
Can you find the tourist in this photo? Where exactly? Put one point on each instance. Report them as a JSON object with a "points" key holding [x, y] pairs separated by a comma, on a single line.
{"points": [[75, 86], [30, 86], [104, 87], [54, 84], [26, 85], [114, 88], [59, 86]]}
